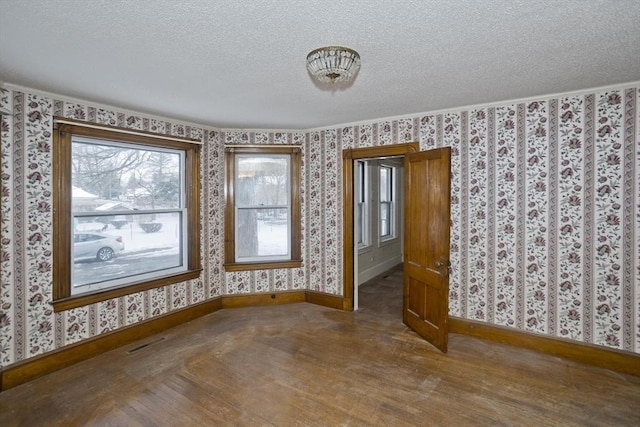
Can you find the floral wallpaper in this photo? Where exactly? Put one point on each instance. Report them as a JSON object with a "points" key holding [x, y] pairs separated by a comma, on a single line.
{"points": [[323, 259], [545, 217], [28, 325], [253, 281]]}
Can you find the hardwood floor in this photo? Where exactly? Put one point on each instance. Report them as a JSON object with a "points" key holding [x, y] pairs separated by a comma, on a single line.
{"points": [[307, 365]]}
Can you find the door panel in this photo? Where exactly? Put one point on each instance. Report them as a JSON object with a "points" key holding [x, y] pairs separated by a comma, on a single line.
{"points": [[427, 220]]}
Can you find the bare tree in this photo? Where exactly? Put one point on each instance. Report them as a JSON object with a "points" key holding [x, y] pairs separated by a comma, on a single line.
{"points": [[160, 180], [99, 169]]}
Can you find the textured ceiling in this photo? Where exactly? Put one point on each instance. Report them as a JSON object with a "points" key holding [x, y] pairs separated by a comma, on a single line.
{"points": [[241, 63]]}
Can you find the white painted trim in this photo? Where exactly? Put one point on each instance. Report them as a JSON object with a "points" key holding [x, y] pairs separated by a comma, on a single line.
{"points": [[377, 269]]}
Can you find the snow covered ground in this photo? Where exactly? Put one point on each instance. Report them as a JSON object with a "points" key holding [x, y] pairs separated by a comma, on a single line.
{"points": [[148, 252], [136, 239], [272, 236]]}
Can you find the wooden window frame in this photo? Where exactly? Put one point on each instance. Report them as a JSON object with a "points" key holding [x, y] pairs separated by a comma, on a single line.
{"points": [[230, 263], [63, 131]]}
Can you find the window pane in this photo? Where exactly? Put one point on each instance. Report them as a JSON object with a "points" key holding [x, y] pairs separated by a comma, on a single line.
{"points": [[107, 176], [262, 212], [262, 180], [262, 233], [385, 222], [115, 187], [111, 250], [385, 178], [361, 180], [360, 223]]}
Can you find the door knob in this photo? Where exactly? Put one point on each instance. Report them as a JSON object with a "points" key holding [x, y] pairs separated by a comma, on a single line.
{"points": [[442, 265]]}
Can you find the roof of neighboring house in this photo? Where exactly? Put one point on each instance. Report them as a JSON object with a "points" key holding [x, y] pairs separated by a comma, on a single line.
{"points": [[79, 193], [110, 206]]}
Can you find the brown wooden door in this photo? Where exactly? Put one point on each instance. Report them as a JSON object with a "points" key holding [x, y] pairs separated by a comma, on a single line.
{"points": [[426, 246]]}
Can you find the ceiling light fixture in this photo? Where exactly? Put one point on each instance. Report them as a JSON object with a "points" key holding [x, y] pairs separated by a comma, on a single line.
{"points": [[333, 64]]}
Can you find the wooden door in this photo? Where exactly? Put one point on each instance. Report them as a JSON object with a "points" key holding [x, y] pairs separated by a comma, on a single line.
{"points": [[426, 246]]}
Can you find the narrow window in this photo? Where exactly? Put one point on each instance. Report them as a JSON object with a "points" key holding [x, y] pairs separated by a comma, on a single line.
{"points": [[362, 206], [262, 218], [386, 202]]}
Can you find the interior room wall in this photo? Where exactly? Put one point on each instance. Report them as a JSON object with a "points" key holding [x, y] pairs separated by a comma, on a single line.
{"points": [[545, 224], [28, 325]]}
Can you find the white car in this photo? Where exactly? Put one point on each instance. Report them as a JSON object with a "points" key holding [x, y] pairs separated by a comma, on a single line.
{"points": [[93, 245]]}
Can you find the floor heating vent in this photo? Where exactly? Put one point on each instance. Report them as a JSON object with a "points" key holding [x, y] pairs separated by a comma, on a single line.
{"points": [[140, 347]]}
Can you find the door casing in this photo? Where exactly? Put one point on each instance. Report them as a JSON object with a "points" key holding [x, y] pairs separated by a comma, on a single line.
{"points": [[348, 156]]}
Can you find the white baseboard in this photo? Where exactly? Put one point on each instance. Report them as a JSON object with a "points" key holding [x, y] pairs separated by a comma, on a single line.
{"points": [[377, 269]]}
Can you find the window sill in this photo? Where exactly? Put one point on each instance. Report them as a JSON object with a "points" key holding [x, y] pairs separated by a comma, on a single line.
{"points": [[386, 241], [262, 265], [76, 301], [364, 249]]}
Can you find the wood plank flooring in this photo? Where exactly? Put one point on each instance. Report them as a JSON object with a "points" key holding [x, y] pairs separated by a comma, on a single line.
{"points": [[306, 365]]}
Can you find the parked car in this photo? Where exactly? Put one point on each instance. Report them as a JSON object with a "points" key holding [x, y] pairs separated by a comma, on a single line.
{"points": [[94, 245]]}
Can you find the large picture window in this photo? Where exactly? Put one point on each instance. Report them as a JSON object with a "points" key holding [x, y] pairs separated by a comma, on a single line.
{"points": [[262, 218], [127, 210]]}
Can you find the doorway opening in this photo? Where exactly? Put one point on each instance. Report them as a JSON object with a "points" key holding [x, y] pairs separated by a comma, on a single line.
{"points": [[426, 233], [382, 296], [350, 255], [378, 188]]}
